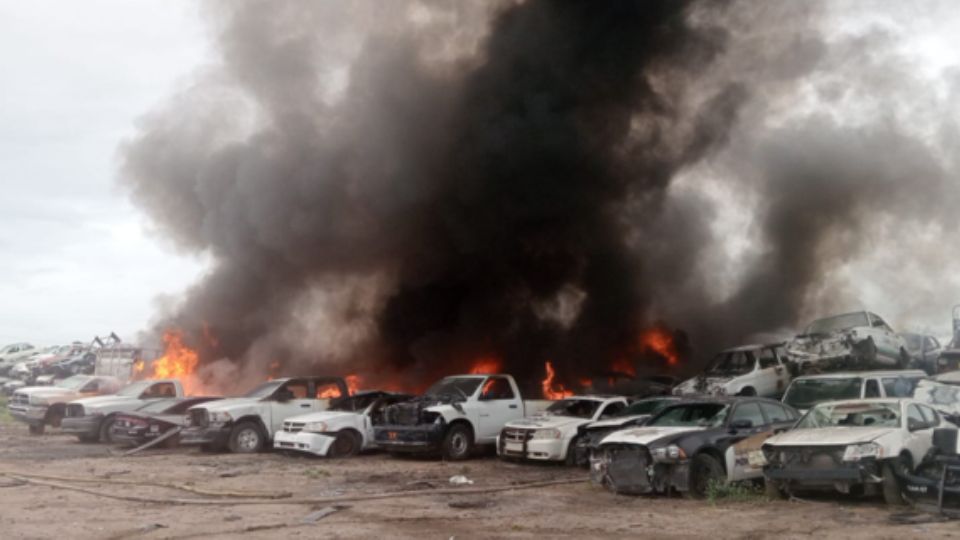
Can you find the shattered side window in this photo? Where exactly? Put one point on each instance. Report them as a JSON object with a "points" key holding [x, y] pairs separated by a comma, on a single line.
{"points": [[732, 363], [767, 358], [900, 386]]}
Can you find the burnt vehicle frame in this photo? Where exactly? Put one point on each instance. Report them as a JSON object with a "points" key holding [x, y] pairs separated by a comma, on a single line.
{"points": [[145, 424], [665, 459]]}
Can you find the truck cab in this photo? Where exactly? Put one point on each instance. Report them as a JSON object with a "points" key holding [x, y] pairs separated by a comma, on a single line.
{"points": [[92, 418]]}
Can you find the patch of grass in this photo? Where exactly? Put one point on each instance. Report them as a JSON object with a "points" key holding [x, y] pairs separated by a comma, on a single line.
{"points": [[722, 491], [315, 473]]}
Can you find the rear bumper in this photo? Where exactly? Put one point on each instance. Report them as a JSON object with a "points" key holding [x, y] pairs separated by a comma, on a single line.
{"points": [[33, 415], [81, 425], [303, 441], [413, 439]]}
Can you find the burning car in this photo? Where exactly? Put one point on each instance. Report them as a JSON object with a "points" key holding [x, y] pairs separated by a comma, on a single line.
{"points": [[552, 434], [634, 415], [154, 420], [857, 340], [851, 446], [247, 424], [40, 406], [752, 370], [345, 429], [687, 446]]}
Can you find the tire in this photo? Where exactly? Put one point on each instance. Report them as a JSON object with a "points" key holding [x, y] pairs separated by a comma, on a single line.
{"points": [[246, 438], [892, 492], [458, 443], [54, 417], [704, 468], [37, 429], [105, 426], [571, 458], [772, 490], [346, 444]]}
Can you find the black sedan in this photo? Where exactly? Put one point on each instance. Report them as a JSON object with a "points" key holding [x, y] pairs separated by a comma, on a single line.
{"points": [[689, 445], [154, 419]]}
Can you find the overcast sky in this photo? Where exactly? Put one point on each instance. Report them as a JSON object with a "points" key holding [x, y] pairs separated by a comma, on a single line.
{"points": [[76, 259]]}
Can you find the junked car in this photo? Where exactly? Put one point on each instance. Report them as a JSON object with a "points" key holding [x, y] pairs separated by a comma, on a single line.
{"points": [[857, 340], [852, 446], [552, 434], [688, 446], [344, 429], [806, 391], [636, 414], [154, 420], [40, 406], [11, 355], [752, 370], [924, 351], [91, 419]]}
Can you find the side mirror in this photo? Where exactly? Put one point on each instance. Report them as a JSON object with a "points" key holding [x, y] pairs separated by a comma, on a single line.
{"points": [[743, 423]]}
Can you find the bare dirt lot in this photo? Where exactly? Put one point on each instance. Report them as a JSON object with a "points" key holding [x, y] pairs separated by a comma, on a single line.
{"points": [[576, 510]]}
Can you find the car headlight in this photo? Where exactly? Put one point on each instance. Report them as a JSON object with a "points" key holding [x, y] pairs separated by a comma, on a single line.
{"points": [[218, 417], [856, 452], [549, 433], [668, 454], [316, 427]]}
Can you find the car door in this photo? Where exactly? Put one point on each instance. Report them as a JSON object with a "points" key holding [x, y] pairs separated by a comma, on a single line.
{"points": [[769, 379], [296, 396], [741, 440], [497, 404], [918, 430], [887, 342]]}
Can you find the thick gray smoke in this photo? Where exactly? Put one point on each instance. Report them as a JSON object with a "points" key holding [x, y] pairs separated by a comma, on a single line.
{"points": [[407, 187]]}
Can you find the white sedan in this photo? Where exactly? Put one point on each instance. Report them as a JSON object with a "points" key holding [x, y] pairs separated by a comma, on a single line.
{"points": [[552, 434], [345, 429]]}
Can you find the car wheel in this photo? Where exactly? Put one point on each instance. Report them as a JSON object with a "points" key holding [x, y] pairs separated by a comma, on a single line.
{"points": [[36, 429], [105, 426], [892, 492], [748, 391], [772, 490], [704, 470], [571, 458], [246, 438], [458, 443], [345, 445]]}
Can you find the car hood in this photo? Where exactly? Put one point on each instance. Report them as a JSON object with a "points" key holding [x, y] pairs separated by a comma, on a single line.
{"points": [[103, 401], [46, 391], [227, 404], [617, 421], [646, 435], [324, 416], [832, 436], [545, 421]]}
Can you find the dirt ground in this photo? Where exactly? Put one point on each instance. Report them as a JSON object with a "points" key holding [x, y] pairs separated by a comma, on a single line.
{"points": [[576, 510]]}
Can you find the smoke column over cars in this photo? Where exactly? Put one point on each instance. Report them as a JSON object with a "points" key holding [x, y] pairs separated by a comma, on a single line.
{"points": [[413, 186]]}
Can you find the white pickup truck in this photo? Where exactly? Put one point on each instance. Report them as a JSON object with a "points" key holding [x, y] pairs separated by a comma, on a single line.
{"points": [[41, 406], [454, 416], [247, 424], [91, 418]]}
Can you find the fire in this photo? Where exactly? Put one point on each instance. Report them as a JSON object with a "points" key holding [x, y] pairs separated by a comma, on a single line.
{"points": [[178, 362], [485, 366], [549, 390], [661, 342], [622, 365], [353, 383]]}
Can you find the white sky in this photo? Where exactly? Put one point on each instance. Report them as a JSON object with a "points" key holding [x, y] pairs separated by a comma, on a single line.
{"points": [[76, 259]]}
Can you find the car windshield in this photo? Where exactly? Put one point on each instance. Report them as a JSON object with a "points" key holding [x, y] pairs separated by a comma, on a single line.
{"points": [[353, 403], [134, 389], [263, 390], [805, 393], [73, 383], [835, 324], [577, 408], [458, 387], [731, 363], [692, 414], [647, 406], [852, 414], [159, 406]]}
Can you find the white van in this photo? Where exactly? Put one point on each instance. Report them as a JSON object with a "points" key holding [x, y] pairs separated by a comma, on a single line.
{"points": [[806, 391]]}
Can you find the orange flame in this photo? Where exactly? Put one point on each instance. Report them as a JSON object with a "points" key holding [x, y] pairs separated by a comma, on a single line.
{"points": [[549, 390], [178, 362], [353, 383], [661, 342], [485, 366], [622, 365]]}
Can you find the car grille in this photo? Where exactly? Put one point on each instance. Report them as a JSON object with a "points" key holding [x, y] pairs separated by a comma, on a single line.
{"points": [[293, 427], [809, 457], [20, 399], [74, 411], [199, 418], [516, 435], [403, 414], [622, 468]]}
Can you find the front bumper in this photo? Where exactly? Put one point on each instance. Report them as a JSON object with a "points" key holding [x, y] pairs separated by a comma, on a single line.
{"points": [[629, 469], [820, 467], [303, 441], [137, 435], [537, 449], [81, 425], [214, 435], [413, 439], [33, 415]]}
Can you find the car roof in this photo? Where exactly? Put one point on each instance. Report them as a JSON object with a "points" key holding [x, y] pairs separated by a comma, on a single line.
{"points": [[753, 347], [853, 374], [595, 397], [898, 401]]}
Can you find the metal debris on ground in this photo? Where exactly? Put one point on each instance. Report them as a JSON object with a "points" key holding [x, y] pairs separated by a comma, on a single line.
{"points": [[460, 480]]}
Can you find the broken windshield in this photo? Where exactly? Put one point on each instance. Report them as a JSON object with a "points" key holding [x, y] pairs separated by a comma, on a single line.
{"points": [[458, 387], [731, 363], [577, 408], [830, 325], [647, 406], [692, 414], [884, 414], [805, 393]]}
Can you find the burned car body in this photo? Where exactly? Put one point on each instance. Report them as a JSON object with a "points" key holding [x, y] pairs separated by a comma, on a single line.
{"points": [[751, 370], [845, 444], [688, 445], [924, 351], [636, 414], [154, 420], [935, 485], [856, 340]]}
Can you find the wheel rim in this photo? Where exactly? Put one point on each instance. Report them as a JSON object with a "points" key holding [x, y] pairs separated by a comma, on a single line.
{"points": [[248, 439], [458, 443], [343, 445]]}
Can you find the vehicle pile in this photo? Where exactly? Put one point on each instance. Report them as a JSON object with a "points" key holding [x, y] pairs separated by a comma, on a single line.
{"points": [[837, 408]]}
